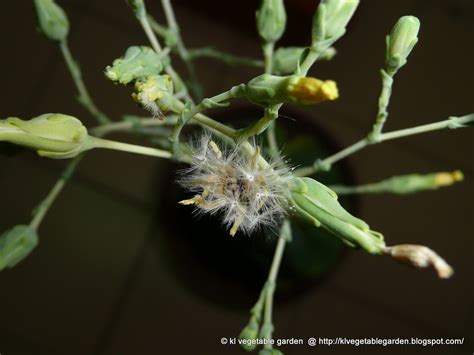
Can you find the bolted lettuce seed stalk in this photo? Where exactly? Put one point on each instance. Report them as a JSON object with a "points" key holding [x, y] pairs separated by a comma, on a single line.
{"points": [[271, 20], [52, 20], [330, 20], [137, 62], [401, 41], [318, 204], [52, 135], [269, 89], [16, 244]]}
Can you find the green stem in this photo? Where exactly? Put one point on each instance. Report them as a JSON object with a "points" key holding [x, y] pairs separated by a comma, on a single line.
{"points": [[384, 100], [229, 59], [84, 97], [268, 56], [270, 285], [182, 50], [144, 22], [325, 164], [131, 148], [46, 204]]}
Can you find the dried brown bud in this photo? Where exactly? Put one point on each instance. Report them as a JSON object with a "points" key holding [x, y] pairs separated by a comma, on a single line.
{"points": [[421, 257]]}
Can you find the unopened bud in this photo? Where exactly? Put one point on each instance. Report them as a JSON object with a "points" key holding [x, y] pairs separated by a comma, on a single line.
{"points": [[137, 62], [271, 20], [52, 20], [401, 41], [249, 333], [318, 204], [421, 257], [52, 135], [16, 244], [331, 18]]}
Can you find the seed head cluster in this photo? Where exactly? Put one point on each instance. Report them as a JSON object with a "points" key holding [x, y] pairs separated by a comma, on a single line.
{"points": [[235, 183]]}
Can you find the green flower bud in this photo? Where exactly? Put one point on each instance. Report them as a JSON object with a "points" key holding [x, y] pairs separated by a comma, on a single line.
{"points": [[250, 333], [52, 135], [331, 18], [155, 94], [16, 244], [318, 204], [269, 89], [138, 7], [52, 20], [271, 20], [138, 61], [401, 41]]}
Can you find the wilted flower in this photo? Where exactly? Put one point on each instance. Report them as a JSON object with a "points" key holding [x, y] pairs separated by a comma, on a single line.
{"points": [[421, 257], [155, 94], [235, 184]]}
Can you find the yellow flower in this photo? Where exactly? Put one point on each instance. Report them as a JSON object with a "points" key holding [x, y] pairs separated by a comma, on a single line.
{"points": [[310, 91]]}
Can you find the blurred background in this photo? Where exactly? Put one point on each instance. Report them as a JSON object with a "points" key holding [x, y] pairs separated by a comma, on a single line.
{"points": [[121, 269]]}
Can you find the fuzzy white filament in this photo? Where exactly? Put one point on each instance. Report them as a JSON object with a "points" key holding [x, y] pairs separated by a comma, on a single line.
{"points": [[231, 183]]}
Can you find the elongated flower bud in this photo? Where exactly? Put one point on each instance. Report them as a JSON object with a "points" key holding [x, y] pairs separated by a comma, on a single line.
{"points": [[272, 89], [271, 20], [406, 184], [318, 204], [137, 62], [52, 135], [401, 41], [52, 20], [330, 20], [16, 244]]}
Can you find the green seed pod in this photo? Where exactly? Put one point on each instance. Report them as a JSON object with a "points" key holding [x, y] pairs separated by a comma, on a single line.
{"points": [[331, 18], [271, 20], [16, 244], [52, 135], [137, 62], [250, 332], [401, 41], [318, 204], [52, 20]]}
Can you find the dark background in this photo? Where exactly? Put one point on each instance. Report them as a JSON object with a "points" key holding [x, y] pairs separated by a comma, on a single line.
{"points": [[97, 284]]}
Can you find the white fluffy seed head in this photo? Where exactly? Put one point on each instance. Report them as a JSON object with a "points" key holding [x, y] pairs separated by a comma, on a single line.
{"points": [[230, 182]]}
